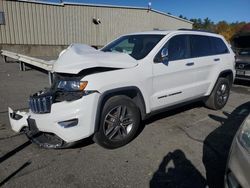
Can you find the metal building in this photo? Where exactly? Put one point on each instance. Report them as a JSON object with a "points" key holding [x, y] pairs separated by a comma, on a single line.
{"points": [[52, 24]]}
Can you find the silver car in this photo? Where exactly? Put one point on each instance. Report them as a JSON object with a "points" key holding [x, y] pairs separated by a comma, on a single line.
{"points": [[238, 167]]}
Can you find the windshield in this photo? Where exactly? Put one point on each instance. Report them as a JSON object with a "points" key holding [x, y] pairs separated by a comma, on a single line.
{"points": [[242, 44], [137, 46], [245, 52]]}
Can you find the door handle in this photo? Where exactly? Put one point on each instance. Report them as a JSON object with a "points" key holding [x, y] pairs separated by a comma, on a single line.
{"points": [[217, 59], [190, 64]]}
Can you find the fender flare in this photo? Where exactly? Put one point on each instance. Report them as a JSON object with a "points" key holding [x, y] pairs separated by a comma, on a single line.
{"points": [[129, 91], [225, 73]]}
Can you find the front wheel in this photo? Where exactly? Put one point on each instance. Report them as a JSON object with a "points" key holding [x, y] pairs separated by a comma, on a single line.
{"points": [[120, 120], [220, 94]]}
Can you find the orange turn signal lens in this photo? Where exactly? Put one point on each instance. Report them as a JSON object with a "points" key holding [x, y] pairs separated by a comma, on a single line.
{"points": [[83, 85]]}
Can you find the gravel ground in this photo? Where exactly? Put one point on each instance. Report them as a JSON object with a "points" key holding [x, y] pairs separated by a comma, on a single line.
{"points": [[186, 147]]}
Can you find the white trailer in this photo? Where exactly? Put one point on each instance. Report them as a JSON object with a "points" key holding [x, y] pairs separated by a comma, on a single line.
{"points": [[24, 59]]}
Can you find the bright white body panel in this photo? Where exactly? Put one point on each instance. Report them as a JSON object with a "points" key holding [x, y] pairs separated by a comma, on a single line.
{"points": [[84, 109], [78, 57], [160, 85]]}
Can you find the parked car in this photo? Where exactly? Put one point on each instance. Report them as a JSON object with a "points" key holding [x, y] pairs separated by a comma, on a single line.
{"points": [[241, 44], [237, 172], [243, 65], [106, 93]]}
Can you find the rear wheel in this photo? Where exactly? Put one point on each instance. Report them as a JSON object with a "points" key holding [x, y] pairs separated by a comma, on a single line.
{"points": [[120, 120], [220, 94]]}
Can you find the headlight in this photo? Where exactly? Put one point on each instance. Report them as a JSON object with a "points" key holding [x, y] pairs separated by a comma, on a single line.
{"points": [[71, 85], [244, 134], [70, 90]]}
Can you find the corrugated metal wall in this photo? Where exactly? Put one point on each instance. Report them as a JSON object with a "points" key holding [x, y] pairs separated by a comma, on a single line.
{"points": [[43, 24]]}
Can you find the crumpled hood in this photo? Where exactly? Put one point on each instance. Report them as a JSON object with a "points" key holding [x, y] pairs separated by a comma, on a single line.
{"points": [[80, 56]]}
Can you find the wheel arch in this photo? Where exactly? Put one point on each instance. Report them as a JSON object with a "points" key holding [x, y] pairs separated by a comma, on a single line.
{"points": [[227, 74], [132, 92]]}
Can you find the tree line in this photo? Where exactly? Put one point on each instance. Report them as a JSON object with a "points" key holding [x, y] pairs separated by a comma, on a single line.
{"points": [[224, 28]]}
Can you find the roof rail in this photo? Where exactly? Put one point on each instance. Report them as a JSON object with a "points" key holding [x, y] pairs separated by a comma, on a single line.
{"points": [[184, 29]]}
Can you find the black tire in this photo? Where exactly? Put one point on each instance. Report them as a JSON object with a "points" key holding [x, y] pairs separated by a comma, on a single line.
{"points": [[220, 94], [119, 123]]}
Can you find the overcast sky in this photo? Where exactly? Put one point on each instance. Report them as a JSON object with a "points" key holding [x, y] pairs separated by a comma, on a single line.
{"points": [[216, 10]]}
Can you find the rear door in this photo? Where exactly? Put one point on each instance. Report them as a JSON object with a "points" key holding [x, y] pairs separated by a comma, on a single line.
{"points": [[204, 62]]}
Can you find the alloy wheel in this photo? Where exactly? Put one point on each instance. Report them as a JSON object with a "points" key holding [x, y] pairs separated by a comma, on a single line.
{"points": [[118, 123], [222, 94]]}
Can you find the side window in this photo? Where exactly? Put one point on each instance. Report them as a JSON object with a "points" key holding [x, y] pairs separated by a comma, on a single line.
{"points": [[200, 46], [178, 48], [218, 45]]}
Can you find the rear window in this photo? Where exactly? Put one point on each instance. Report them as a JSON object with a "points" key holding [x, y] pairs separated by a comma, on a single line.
{"points": [[244, 52], [219, 47], [200, 46], [242, 42]]}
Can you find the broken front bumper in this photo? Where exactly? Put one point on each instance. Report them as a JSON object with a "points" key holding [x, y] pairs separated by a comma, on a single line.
{"points": [[18, 120], [81, 112]]}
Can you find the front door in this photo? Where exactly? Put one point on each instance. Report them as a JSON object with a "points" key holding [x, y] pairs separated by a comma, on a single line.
{"points": [[173, 81]]}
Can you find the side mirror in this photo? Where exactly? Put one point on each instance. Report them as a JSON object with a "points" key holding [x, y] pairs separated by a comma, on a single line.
{"points": [[164, 56]]}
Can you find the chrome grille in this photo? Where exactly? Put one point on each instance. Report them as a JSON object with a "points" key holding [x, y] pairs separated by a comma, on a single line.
{"points": [[242, 66], [41, 104]]}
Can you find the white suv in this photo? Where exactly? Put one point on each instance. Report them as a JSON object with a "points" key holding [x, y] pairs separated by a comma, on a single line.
{"points": [[106, 93]]}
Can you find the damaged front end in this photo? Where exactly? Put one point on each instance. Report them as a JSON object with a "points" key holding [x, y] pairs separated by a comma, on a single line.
{"points": [[18, 120], [55, 113], [21, 122], [66, 112]]}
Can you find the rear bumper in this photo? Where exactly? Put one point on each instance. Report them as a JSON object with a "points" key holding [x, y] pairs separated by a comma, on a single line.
{"points": [[84, 110]]}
